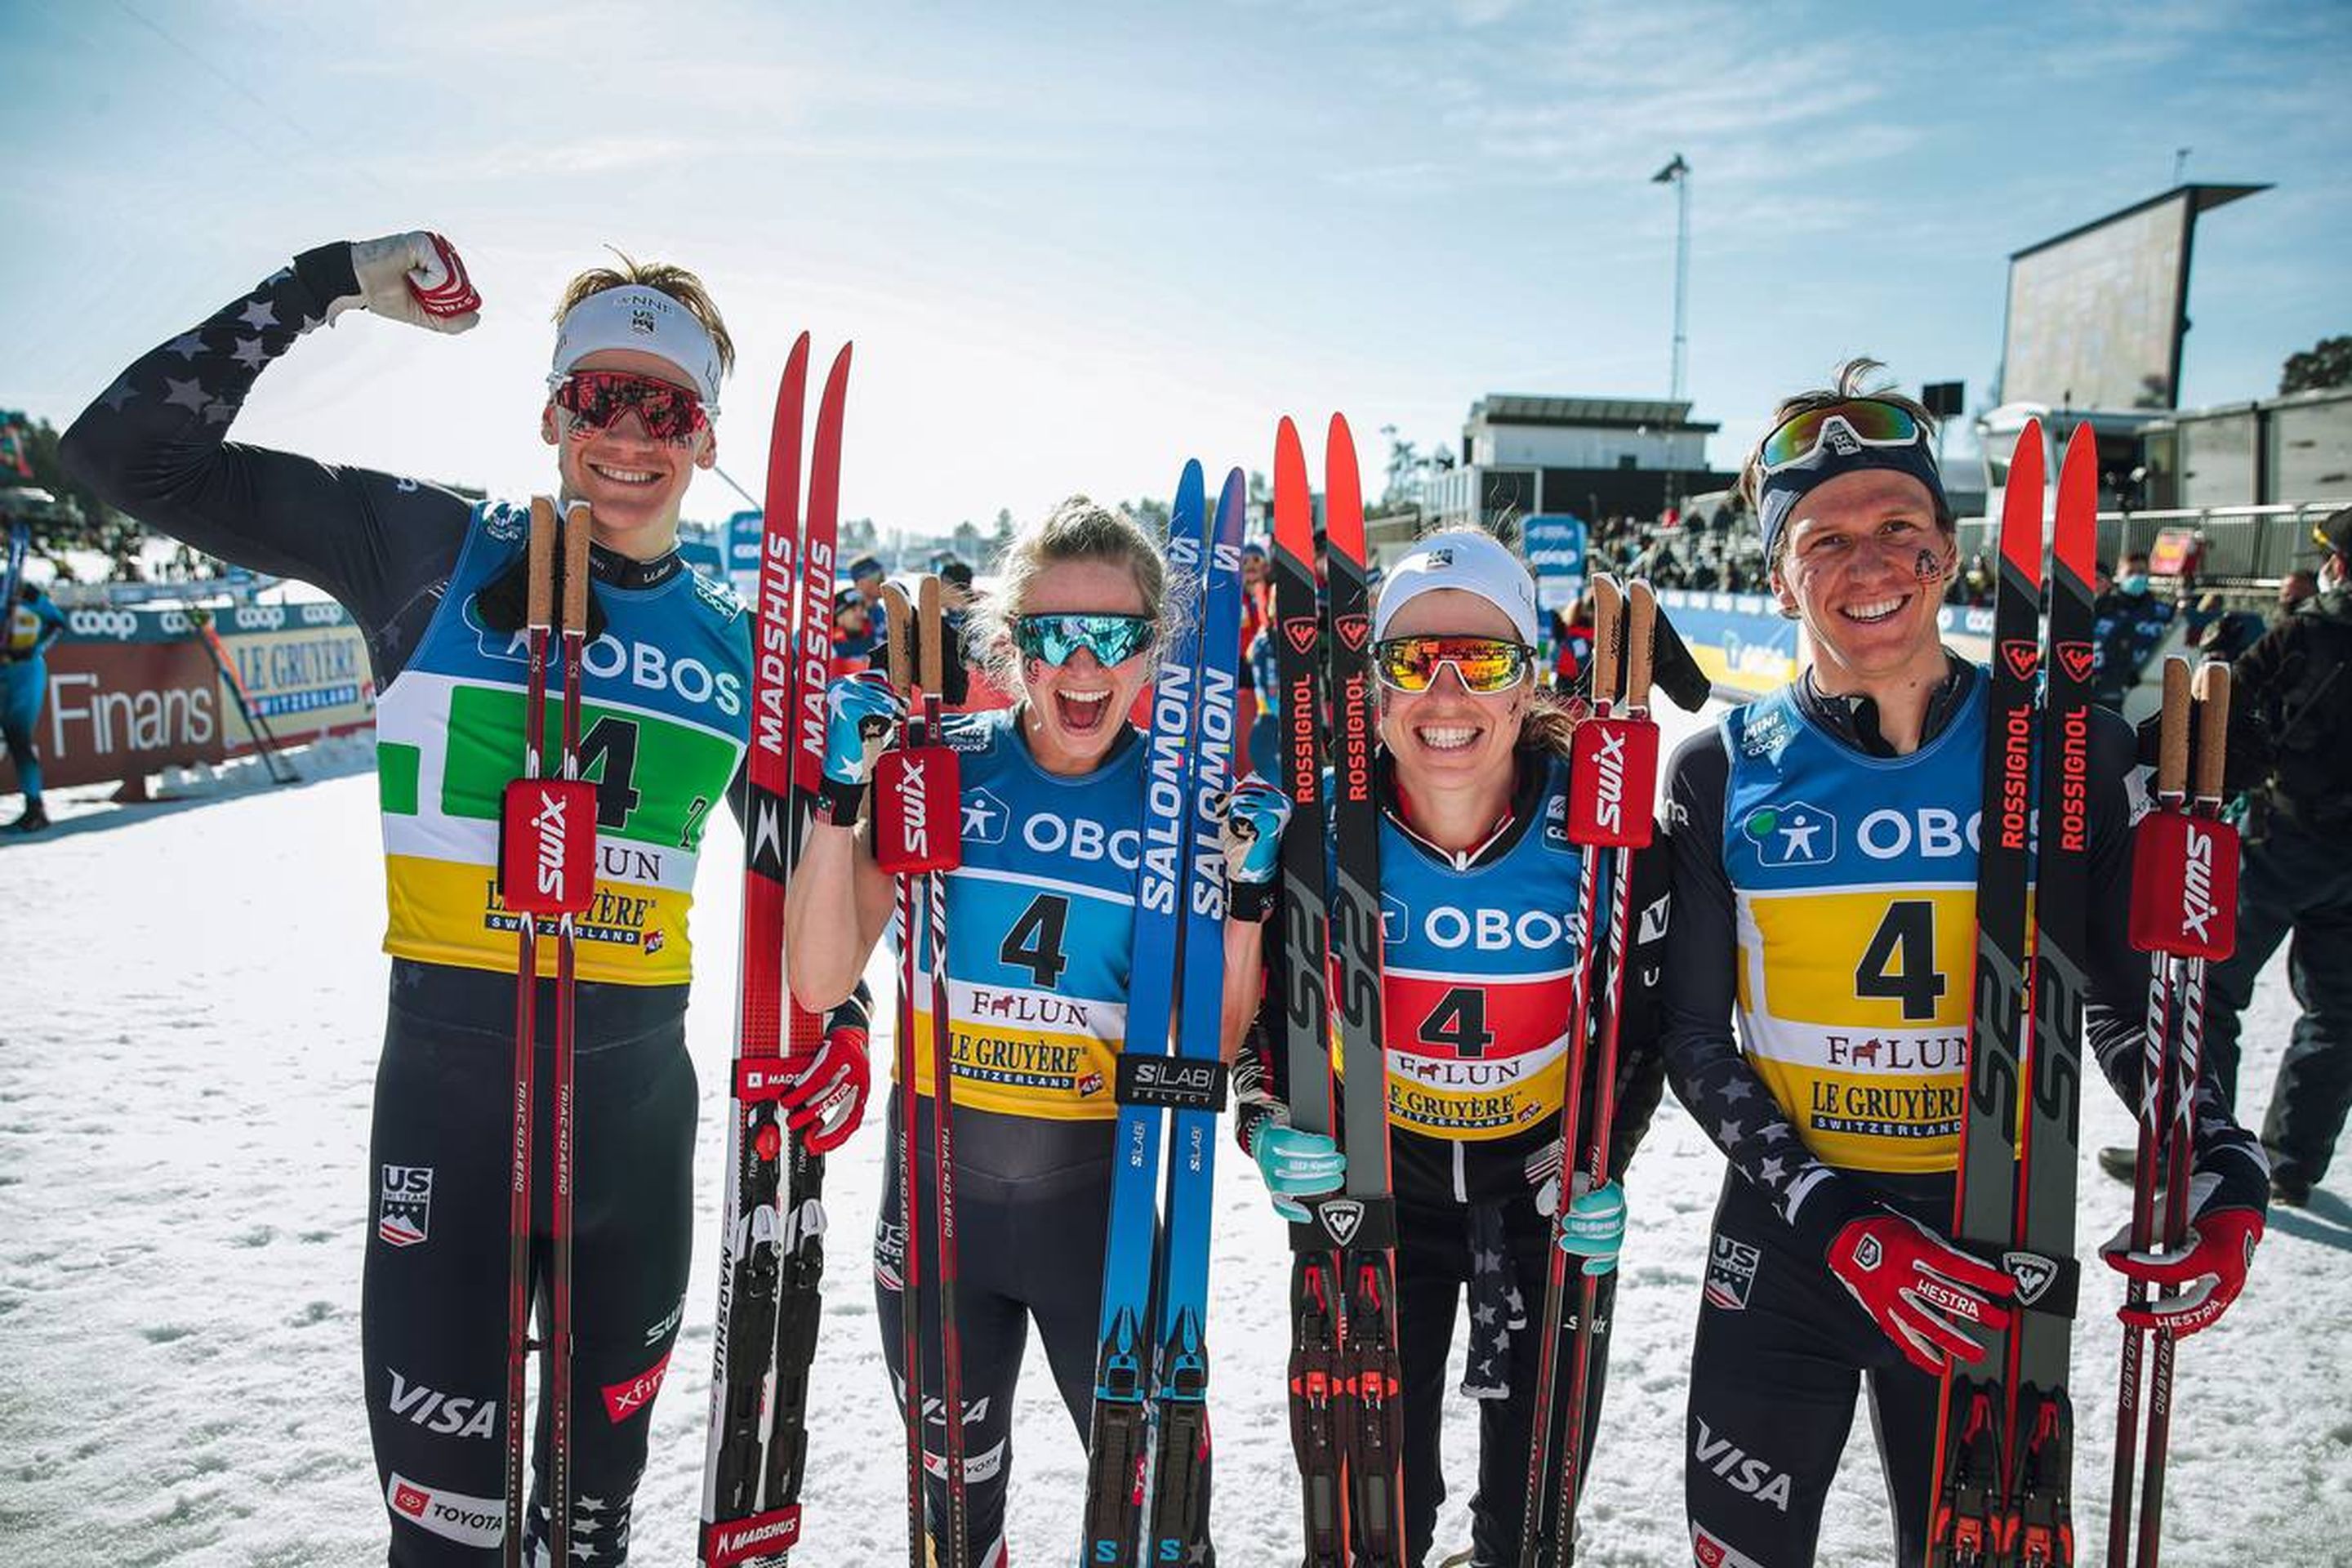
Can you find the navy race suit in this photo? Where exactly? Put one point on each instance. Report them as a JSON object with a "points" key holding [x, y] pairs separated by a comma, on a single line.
{"points": [[1477, 952], [1041, 923], [1824, 894], [663, 709]]}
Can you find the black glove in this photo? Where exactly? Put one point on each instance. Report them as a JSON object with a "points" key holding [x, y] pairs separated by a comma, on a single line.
{"points": [[1675, 672], [2246, 754], [504, 602]]}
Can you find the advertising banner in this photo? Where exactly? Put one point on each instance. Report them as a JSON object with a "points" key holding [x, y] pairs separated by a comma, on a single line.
{"points": [[114, 708], [1554, 547], [131, 690], [304, 666]]}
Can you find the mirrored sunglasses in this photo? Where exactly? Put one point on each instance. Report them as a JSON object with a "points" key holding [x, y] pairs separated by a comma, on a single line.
{"points": [[594, 398], [1482, 665], [1112, 639]]}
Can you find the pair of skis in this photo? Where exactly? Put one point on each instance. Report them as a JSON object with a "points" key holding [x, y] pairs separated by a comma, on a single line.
{"points": [[265, 738], [772, 1242], [547, 867], [1613, 779], [1148, 1446], [918, 823], [2184, 913], [1346, 1422], [2002, 1493]]}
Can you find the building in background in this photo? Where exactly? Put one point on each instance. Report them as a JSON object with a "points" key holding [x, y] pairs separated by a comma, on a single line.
{"points": [[1593, 458]]}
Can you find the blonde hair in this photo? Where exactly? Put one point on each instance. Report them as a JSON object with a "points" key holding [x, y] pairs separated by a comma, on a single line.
{"points": [[1851, 380], [1076, 529], [663, 277]]}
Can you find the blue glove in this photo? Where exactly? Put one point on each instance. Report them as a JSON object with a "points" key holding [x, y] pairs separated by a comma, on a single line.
{"points": [[1250, 820], [860, 715], [1296, 1165], [1594, 1227]]}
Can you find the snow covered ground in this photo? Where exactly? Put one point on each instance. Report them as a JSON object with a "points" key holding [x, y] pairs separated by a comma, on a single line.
{"points": [[187, 1055]]}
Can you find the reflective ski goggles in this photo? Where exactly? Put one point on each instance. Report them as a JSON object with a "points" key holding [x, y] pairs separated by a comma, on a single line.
{"points": [[1482, 665], [595, 398], [1844, 427], [1112, 639]]}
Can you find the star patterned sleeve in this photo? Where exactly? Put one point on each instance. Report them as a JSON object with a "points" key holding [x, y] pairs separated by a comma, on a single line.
{"points": [[2229, 1161], [154, 445], [1704, 1063]]}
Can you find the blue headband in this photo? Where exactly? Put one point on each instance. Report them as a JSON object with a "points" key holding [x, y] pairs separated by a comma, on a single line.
{"points": [[1777, 498]]}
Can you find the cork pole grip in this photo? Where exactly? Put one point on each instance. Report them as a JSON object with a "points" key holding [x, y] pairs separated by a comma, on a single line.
{"points": [[2172, 734], [1607, 605], [2212, 727], [541, 611], [1641, 626], [575, 567], [928, 645], [899, 618]]}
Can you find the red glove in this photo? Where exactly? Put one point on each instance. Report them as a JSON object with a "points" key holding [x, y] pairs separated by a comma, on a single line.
{"points": [[2219, 1248], [826, 1102], [1919, 1288]]}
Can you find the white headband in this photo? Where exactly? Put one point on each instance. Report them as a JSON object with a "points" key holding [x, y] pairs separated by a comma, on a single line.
{"points": [[1474, 562], [636, 317]]}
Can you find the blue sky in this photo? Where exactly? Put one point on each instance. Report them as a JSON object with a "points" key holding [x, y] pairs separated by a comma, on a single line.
{"points": [[1077, 244]]}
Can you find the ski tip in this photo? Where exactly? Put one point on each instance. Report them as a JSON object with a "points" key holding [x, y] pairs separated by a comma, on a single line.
{"points": [[1234, 495], [1286, 436], [840, 372], [1339, 435], [1192, 491]]}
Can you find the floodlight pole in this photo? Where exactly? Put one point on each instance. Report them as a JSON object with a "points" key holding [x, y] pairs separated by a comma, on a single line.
{"points": [[1677, 174]]}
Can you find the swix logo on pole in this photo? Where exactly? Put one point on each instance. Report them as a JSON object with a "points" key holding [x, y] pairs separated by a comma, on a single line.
{"points": [[913, 791], [2184, 885], [1614, 766], [548, 852]]}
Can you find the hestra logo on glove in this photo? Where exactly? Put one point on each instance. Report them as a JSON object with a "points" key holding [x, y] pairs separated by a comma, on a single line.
{"points": [[916, 810], [547, 853]]}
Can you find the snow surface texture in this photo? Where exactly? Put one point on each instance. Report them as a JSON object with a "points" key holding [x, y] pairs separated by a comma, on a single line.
{"points": [[186, 1057]]}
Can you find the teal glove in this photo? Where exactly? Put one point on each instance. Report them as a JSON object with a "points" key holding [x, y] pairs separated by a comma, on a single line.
{"points": [[1296, 1165], [1594, 1227]]}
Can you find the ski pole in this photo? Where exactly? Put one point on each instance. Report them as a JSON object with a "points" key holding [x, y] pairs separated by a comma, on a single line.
{"points": [[1622, 752], [2150, 870], [1542, 1528], [2210, 690], [574, 634], [539, 617]]}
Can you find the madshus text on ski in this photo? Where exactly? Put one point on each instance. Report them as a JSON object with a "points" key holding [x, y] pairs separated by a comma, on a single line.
{"points": [[1430, 948]]}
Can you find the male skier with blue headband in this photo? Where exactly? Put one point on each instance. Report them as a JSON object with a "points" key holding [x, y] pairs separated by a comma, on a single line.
{"points": [[1825, 871]]}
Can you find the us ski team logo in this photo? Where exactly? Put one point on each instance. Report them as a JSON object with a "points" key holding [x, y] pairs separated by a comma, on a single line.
{"points": [[1731, 1274], [404, 1207]]}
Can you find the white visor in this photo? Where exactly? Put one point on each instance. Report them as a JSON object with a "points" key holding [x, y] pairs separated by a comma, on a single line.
{"points": [[646, 320], [1474, 562]]}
